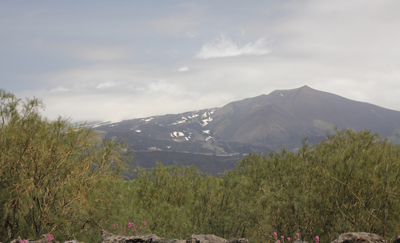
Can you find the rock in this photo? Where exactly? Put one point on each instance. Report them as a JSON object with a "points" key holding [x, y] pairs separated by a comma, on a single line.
{"points": [[397, 240], [241, 240], [41, 240], [359, 237], [112, 238], [205, 239]]}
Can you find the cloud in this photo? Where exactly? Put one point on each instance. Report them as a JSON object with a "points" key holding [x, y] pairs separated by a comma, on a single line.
{"points": [[224, 47], [183, 69]]}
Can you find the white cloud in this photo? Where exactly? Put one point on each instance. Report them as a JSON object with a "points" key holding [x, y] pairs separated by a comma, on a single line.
{"points": [[224, 47], [183, 69]]}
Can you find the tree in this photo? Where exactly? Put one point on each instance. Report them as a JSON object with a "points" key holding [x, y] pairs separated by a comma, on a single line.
{"points": [[52, 173]]}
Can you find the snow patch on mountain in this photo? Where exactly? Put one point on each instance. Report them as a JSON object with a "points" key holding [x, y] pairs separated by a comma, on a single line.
{"points": [[149, 119], [206, 121]]}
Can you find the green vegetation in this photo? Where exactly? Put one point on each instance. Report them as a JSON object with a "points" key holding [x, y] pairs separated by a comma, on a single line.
{"points": [[60, 179], [325, 126], [54, 177]]}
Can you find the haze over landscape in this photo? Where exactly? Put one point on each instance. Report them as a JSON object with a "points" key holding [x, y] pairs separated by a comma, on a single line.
{"points": [[115, 60]]}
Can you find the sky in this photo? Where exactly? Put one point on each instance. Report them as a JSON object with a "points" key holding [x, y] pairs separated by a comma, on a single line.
{"points": [[115, 60]]}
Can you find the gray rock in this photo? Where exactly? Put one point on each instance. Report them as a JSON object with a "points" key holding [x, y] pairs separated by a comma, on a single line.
{"points": [[241, 240], [41, 240], [205, 239], [112, 238], [359, 237]]}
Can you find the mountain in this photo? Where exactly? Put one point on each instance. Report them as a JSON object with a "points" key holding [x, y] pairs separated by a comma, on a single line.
{"points": [[259, 124], [283, 117]]}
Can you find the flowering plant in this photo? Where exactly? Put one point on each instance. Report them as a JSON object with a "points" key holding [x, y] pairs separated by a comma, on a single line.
{"points": [[130, 229]]}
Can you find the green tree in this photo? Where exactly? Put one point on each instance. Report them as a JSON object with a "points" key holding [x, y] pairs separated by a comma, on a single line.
{"points": [[53, 175]]}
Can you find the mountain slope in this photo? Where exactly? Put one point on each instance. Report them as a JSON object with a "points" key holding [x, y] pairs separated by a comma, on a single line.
{"points": [[259, 124], [283, 117]]}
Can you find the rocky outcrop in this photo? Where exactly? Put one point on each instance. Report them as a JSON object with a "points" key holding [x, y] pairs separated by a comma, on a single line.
{"points": [[112, 238], [43, 239], [107, 237], [360, 237]]}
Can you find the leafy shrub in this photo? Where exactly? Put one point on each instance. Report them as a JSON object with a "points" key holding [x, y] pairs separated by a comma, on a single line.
{"points": [[52, 174]]}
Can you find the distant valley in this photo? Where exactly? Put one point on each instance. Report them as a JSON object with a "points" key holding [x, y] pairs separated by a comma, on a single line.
{"points": [[253, 125]]}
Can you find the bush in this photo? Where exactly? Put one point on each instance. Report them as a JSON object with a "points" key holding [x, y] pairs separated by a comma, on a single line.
{"points": [[52, 174]]}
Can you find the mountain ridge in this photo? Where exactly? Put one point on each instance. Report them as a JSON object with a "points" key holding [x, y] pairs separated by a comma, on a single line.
{"points": [[259, 124]]}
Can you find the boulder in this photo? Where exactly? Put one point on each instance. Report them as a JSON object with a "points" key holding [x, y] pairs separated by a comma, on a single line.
{"points": [[43, 239], [205, 239], [397, 240], [112, 238], [108, 237], [241, 240], [359, 237]]}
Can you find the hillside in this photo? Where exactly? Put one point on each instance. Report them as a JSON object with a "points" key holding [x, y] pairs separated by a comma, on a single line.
{"points": [[259, 124]]}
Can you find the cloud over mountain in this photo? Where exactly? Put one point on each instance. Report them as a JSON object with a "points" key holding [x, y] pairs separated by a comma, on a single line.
{"points": [[224, 47]]}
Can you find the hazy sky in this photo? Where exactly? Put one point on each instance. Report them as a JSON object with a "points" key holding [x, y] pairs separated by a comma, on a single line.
{"points": [[111, 60]]}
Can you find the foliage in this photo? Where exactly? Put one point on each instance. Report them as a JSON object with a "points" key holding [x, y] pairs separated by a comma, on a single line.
{"points": [[52, 174], [350, 182]]}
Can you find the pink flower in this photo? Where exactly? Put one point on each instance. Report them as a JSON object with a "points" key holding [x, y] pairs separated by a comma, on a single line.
{"points": [[275, 234], [282, 237], [279, 241], [297, 235], [288, 238], [144, 223], [317, 238]]}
